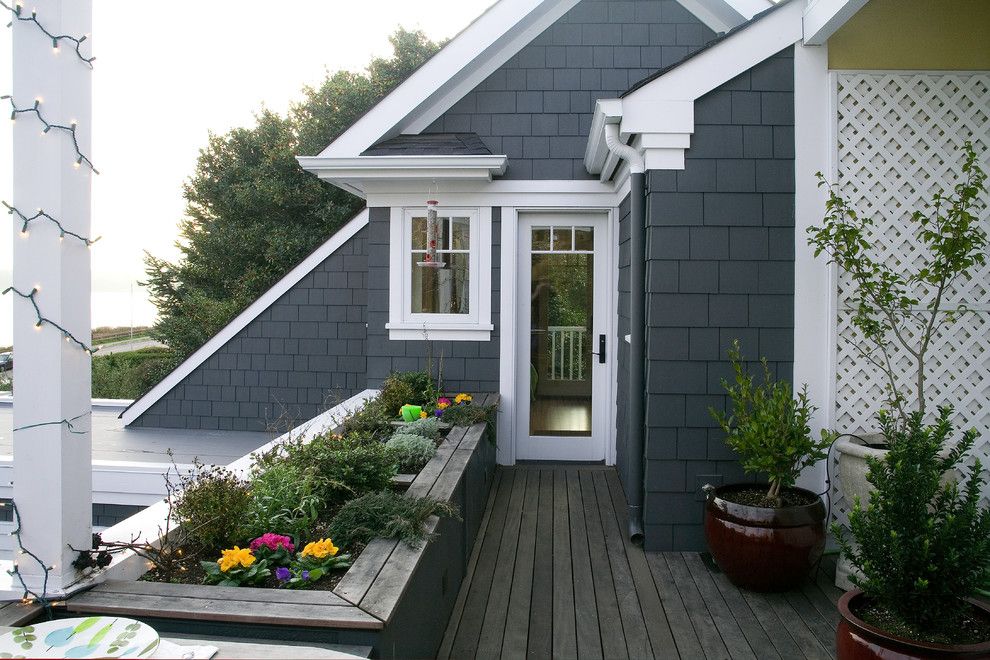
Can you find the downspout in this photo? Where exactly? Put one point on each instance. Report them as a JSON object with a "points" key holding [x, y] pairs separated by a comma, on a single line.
{"points": [[635, 443]]}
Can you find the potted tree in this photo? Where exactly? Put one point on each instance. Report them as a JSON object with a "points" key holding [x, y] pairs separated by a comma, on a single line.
{"points": [[922, 549], [767, 536], [899, 314]]}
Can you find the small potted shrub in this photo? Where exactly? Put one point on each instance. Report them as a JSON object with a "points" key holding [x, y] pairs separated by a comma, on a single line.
{"points": [[767, 536], [922, 550], [899, 312]]}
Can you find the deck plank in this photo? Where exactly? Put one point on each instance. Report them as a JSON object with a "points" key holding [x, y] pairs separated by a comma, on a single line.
{"points": [[16, 613], [540, 644], [781, 639], [820, 627], [493, 627], [685, 636], [469, 630], [700, 617], [758, 637], [564, 630], [516, 637], [589, 641], [736, 641], [446, 645], [792, 623], [657, 627], [613, 635], [630, 611]]}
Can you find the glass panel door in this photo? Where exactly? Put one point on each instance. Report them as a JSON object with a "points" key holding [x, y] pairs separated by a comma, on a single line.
{"points": [[562, 369], [561, 327]]}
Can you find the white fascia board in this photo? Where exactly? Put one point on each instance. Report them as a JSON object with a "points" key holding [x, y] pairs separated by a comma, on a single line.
{"points": [[266, 300], [357, 174], [460, 66], [726, 60], [597, 157], [719, 16], [823, 18], [644, 117]]}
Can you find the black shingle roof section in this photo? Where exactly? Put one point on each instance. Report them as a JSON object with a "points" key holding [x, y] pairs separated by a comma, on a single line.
{"points": [[711, 44], [430, 144]]}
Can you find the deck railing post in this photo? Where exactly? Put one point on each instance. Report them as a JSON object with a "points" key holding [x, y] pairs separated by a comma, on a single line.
{"points": [[52, 457]]}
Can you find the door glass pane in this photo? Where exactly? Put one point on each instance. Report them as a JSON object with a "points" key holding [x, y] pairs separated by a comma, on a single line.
{"points": [[561, 341]]}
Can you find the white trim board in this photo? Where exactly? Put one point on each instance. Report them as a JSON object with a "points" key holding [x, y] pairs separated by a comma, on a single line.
{"points": [[823, 18], [306, 266]]}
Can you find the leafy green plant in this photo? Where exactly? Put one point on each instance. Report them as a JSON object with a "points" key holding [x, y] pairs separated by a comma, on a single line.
{"points": [[237, 567], [428, 427], [129, 375], [894, 308], [348, 466], [769, 428], [211, 506], [469, 414], [412, 452], [923, 540], [386, 514], [286, 498]]}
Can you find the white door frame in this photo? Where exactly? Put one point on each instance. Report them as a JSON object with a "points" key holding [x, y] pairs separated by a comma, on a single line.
{"points": [[509, 282]]}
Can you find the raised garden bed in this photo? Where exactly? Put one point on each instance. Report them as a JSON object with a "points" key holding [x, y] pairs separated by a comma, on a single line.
{"points": [[379, 601]]}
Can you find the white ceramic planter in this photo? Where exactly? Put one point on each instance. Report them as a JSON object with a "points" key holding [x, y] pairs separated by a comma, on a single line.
{"points": [[852, 480]]}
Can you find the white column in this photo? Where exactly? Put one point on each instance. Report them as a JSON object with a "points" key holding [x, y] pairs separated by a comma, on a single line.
{"points": [[814, 293], [52, 465]]}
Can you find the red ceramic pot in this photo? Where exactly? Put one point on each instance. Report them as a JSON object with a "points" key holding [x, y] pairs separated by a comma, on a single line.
{"points": [[857, 640], [761, 548]]}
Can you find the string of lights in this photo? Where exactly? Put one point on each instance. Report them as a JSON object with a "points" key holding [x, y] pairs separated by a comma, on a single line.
{"points": [[66, 422], [42, 320], [70, 129], [41, 215], [41, 598], [56, 38]]}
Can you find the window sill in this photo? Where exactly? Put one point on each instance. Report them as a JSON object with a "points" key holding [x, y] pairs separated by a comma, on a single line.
{"points": [[439, 332]]}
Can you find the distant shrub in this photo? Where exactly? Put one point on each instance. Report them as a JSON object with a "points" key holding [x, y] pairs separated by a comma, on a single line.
{"points": [[211, 507], [131, 374], [386, 514], [411, 451], [428, 427]]}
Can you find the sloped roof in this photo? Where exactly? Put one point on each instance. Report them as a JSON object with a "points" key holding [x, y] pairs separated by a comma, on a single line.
{"points": [[430, 144]]}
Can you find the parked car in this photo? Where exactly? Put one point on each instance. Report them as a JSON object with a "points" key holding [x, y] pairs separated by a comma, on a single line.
{"points": [[6, 361]]}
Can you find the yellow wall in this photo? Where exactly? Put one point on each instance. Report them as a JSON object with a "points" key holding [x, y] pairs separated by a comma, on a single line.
{"points": [[914, 34]]}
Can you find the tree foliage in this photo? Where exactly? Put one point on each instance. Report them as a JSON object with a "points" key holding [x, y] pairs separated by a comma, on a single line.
{"points": [[252, 213]]}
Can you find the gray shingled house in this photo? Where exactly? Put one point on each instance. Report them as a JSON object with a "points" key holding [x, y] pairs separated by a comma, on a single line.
{"points": [[578, 204]]}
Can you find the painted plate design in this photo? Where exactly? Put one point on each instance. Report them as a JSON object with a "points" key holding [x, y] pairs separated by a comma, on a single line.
{"points": [[90, 637]]}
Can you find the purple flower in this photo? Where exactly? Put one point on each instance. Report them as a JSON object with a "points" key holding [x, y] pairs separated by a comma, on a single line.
{"points": [[282, 574], [438, 412], [305, 575]]}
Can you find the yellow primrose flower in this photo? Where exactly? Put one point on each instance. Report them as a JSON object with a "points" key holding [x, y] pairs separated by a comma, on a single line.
{"points": [[422, 414], [236, 557], [461, 398], [320, 549]]}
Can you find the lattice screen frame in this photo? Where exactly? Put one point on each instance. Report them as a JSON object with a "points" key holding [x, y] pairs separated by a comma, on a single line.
{"points": [[901, 127]]}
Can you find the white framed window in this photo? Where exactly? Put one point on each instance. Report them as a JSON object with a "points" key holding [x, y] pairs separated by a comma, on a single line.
{"points": [[446, 293]]}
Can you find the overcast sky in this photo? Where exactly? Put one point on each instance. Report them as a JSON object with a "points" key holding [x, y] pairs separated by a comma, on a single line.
{"points": [[166, 75]]}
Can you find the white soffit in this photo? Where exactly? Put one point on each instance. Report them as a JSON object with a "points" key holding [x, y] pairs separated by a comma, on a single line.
{"points": [[487, 43], [266, 300], [823, 18], [723, 15], [660, 113]]}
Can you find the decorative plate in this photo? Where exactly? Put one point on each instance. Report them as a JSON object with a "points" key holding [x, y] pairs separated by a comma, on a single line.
{"points": [[90, 637]]}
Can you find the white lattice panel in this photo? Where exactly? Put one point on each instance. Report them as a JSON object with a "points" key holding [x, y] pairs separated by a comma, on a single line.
{"points": [[899, 139]]}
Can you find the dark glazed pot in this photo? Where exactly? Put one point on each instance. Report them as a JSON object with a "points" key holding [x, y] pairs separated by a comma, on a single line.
{"points": [[760, 548], [857, 640]]}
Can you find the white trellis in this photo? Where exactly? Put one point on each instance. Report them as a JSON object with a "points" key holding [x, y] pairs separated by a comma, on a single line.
{"points": [[899, 138]]}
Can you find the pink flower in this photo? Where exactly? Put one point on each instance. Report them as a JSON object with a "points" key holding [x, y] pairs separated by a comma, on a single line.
{"points": [[272, 542]]}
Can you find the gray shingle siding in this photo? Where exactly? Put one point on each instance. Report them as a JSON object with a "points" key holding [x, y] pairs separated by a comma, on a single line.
{"points": [[300, 354], [548, 90], [720, 252], [468, 366]]}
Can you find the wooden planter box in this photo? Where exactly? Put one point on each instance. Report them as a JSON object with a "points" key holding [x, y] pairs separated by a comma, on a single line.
{"points": [[395, 598]]}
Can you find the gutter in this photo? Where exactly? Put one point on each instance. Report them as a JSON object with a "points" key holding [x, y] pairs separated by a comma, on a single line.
{"points": [[636, 443]]}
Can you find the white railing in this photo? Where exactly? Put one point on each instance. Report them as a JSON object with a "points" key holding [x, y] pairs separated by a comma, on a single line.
{"points": [[567, 352]]}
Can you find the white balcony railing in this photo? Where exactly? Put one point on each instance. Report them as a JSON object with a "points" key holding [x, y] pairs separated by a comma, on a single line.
{"points": [[567, 345]]}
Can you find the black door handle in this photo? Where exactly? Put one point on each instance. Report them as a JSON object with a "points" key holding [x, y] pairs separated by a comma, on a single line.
{"points": [[601, 349]]}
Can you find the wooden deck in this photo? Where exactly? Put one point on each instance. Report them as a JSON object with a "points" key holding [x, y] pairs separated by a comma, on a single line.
{"points": [[554, 575]]}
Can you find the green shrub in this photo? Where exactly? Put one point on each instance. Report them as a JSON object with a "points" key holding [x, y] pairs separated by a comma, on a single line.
{"points": [[286, 498], [211, 508], [373, 420], [131, 374], [347, 466], [924, 539], [428, 427], [386, 514], [411, 451], [769, 428]]}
